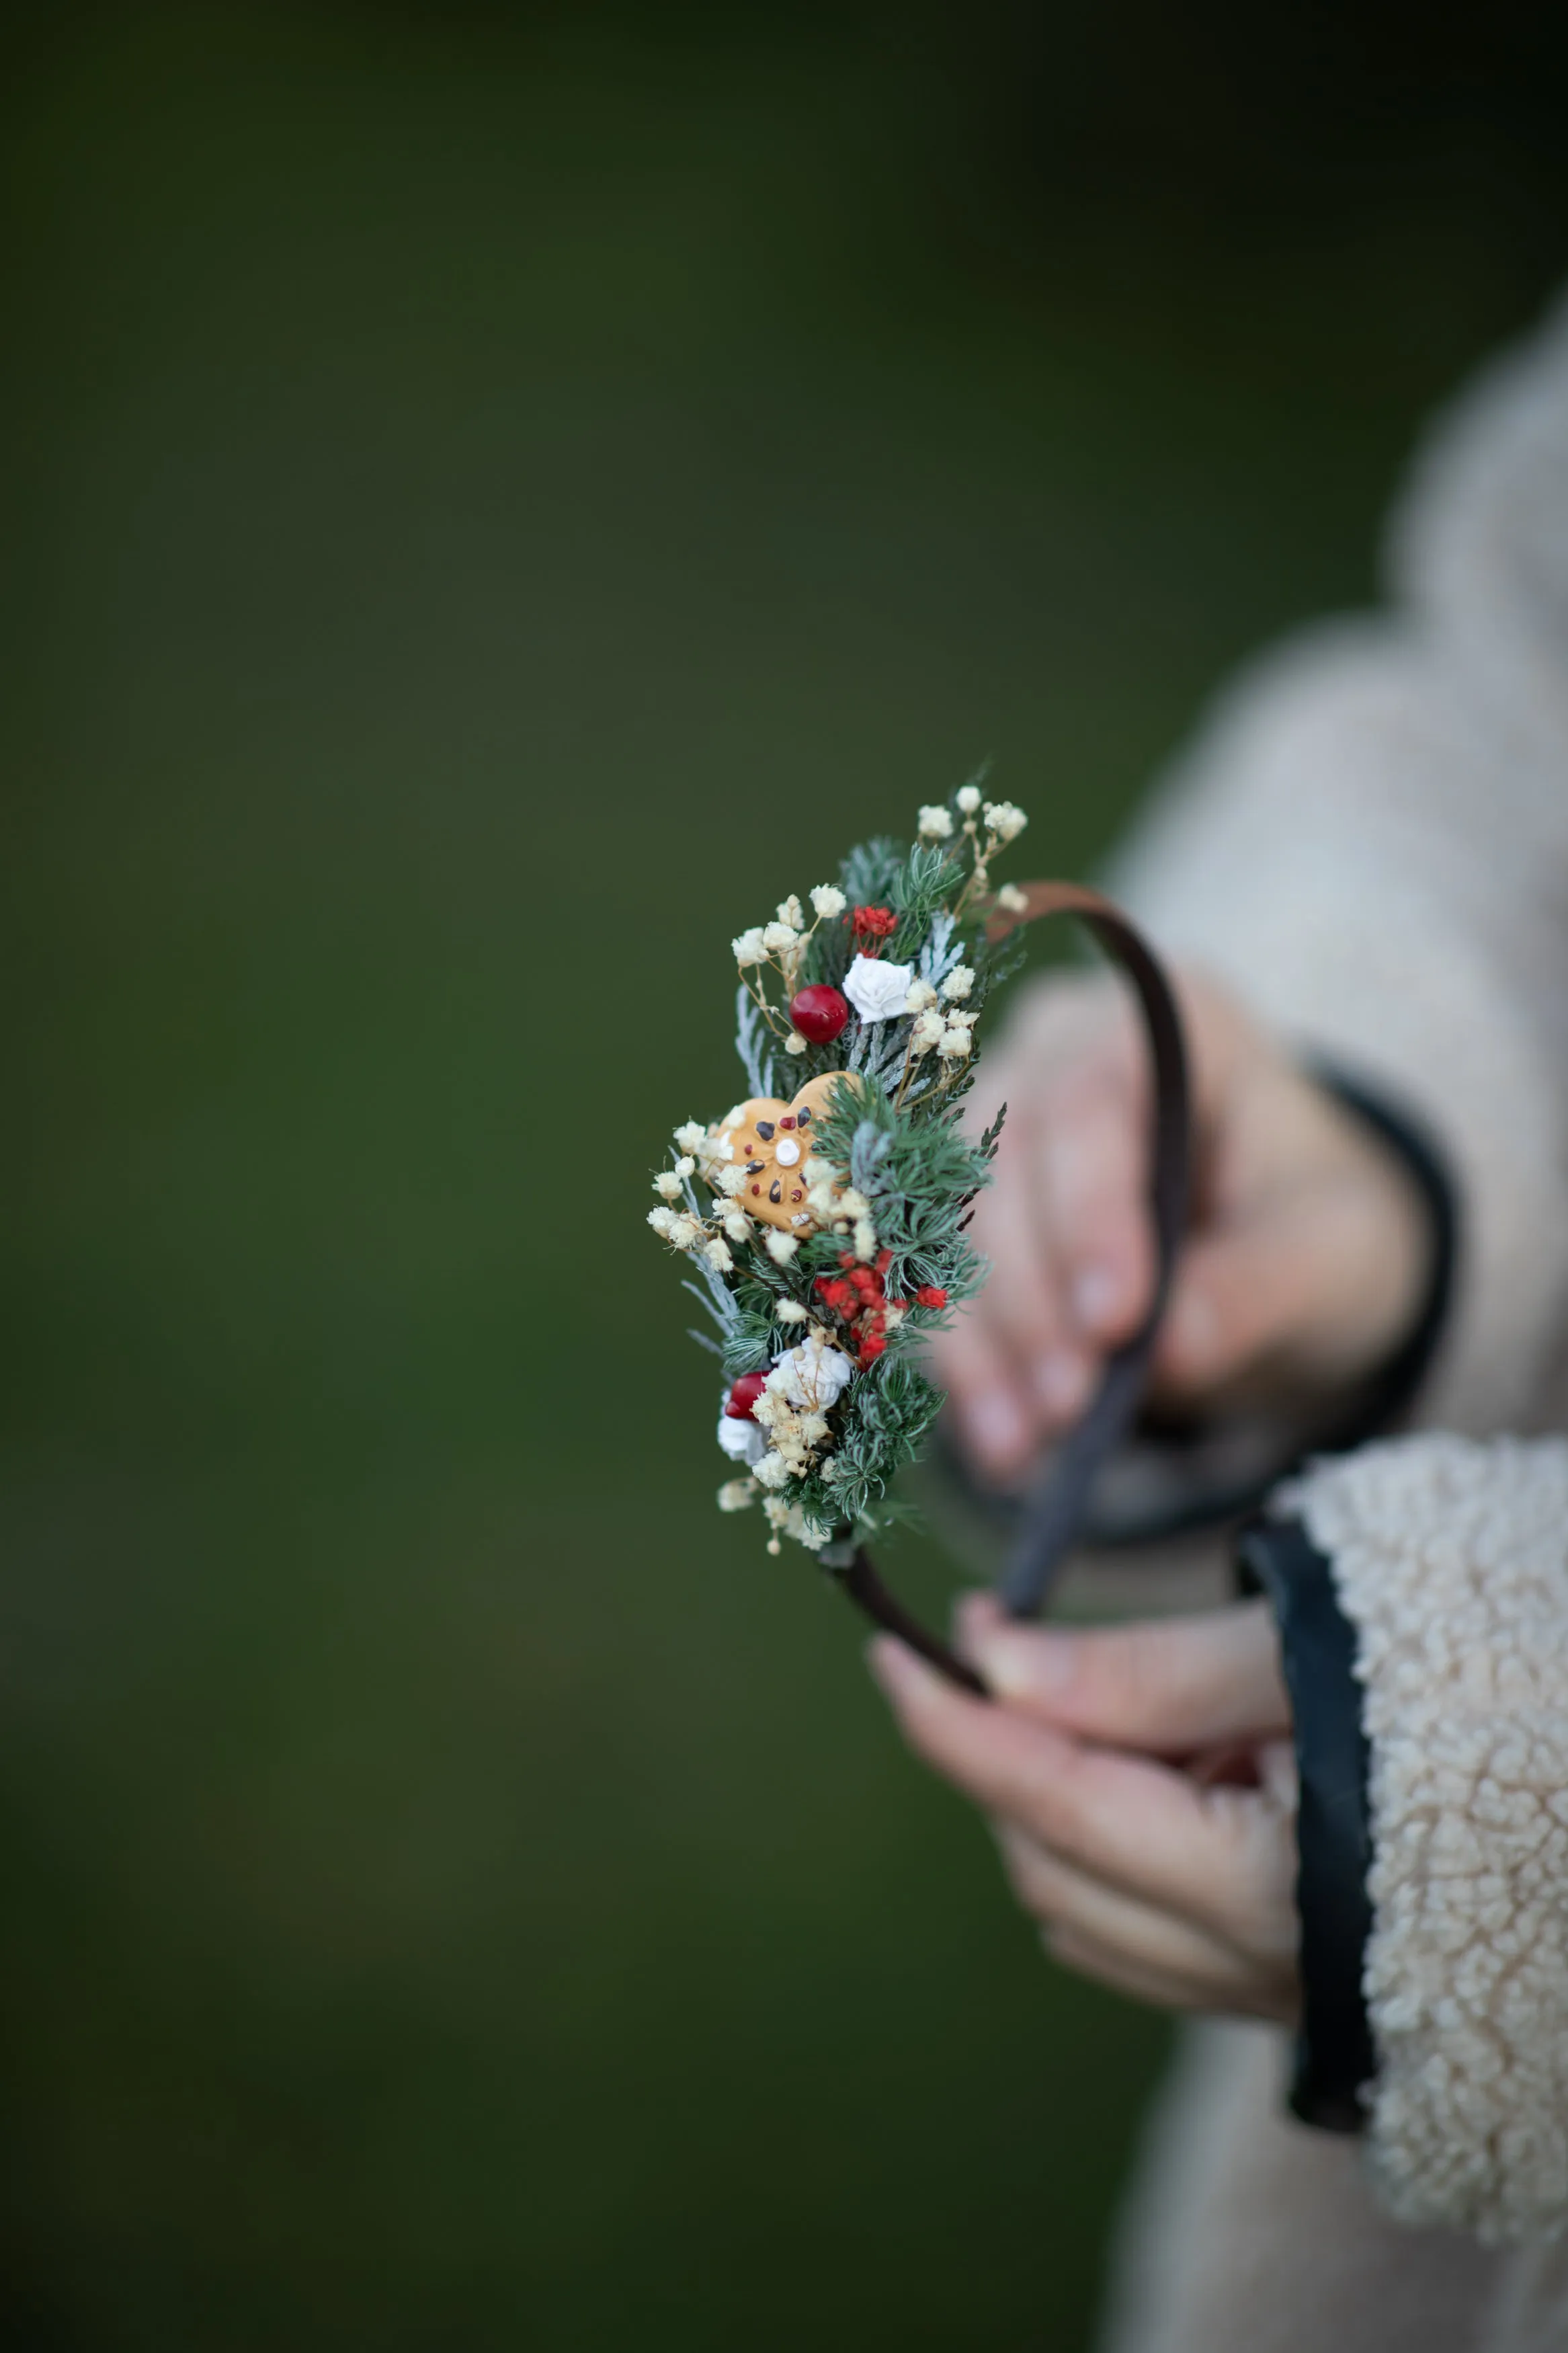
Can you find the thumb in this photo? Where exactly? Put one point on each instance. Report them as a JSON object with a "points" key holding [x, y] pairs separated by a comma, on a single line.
{"points": [[1164, 1686]]}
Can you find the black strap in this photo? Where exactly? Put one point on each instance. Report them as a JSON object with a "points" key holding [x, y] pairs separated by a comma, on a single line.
{"points": [[1334, 2055]]}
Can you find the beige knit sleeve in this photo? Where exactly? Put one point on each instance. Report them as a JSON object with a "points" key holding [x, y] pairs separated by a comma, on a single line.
{"points": [[1450, 1558], [1370, 841]]}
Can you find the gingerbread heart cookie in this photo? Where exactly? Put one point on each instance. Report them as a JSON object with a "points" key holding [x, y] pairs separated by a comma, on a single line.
{"points": [[771, 1142]]}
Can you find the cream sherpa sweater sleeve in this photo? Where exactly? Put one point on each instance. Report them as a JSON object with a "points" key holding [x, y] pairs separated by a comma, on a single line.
{"points": [[1450, 1559], [1371, 842]]}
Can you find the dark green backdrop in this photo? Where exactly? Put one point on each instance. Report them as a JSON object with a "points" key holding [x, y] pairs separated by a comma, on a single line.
{"points": [[491, 501]]}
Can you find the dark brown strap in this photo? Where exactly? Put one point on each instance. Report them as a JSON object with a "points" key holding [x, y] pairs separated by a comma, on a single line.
{"points": [[1055, 1511]]}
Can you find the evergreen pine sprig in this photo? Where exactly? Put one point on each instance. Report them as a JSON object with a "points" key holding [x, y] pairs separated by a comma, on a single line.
{"points": [[825, 1217]]}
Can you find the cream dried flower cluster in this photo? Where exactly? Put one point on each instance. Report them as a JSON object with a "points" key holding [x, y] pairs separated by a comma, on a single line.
{"points": [[823, 1217]]}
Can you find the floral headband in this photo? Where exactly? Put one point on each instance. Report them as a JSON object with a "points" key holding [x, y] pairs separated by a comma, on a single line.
{"points": [[824, 1219]]}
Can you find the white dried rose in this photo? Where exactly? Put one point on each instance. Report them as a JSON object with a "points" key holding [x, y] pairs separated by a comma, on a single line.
{"points": [[935, 823], [1006, 819], [959, 982], [782, 1248], [813, 1375], [876, 990], [828, 900], [751, 946], [742, 1441]]}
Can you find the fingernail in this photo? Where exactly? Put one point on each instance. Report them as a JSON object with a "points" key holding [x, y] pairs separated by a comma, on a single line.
{"points": [[996, 1424], [895, 1669], [1034, 1665], [1096, 1296], [1061, 1382]]}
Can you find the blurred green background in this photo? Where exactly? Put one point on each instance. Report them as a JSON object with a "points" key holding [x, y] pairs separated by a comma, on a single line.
{"points": [[492, 500]]}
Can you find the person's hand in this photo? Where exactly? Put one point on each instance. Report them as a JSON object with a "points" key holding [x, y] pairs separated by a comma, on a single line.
{"points": [[1304, 1265], [1141, 1786]]}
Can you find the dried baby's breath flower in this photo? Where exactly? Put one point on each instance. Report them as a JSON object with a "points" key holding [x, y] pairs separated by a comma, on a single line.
{"points": [[772, 1470], [935, 823], [921, 997], [969, 799], [955, 1043], [828, 900], [782, 1248], [1006, 819], [1014, 900], [736, 1224], [927, 1033], [750, 947], [959, 983], [737, 1494], [685, 1165], [691, 1137], [717, 1254], [794, 1043], [661, 1221], [865, 1240], [792, 912], [730, 1180], [667, 1184], [779, 938], [790, 1310]]}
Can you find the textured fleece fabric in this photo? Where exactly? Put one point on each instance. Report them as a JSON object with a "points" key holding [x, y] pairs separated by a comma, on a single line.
{"points": [[1371, 842], [1451, 1560]]}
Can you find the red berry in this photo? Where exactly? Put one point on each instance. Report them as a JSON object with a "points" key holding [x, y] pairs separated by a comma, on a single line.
{"points": [[928, 1295], [819, 1013], [871, 1349], [884, 1260], [744, 1395]]}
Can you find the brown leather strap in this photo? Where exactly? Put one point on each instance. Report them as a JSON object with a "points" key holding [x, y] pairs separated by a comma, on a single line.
{"points": [[1055, 1511]]}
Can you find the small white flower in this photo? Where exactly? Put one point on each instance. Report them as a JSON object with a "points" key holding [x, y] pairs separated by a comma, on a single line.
{"points": [[772, 1470], [935, 823], [667, 1184], [777, 938], [661, 1221], [717, 1254], [691, 1137], [921, 995], [742, 1441], [831, 1468], [813, 1375], [782, 1248], [878, 991], [685, 1165], [736, 1224], [794, 1043], [959, 1016], [1014, 900], [865, 1240], [751, 947], [736, 1494], [684, 1232], [732, 1180], [1005, 820], [955, 1043], [927, 1033], [790, 1310], [820, 1199], [792, 912], [828, 900], [969, 799], [959, 983], [853, 1204]]}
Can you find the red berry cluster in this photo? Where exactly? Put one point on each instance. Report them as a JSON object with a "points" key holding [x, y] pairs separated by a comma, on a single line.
{"points": [[873, 923], [861, 1296]]}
